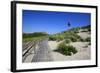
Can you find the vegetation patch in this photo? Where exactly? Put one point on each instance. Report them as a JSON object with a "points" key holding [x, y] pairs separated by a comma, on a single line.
{"points": [[67, 50], [36, 36], [67, 41], [56, 37], [69, 36], [88, 39]]}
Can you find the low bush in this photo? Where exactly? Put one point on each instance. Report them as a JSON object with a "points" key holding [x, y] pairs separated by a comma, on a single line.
{"points": [[67, 50], [53, 38], [75, 30], [72, 36], [73, 39], [88, 39], [67, 41], [57, 37], [72, 49], [82, 40], [35, 34]]}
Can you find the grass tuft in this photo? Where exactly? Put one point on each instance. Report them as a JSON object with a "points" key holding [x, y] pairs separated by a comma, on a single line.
{"points": [[67, 50]]}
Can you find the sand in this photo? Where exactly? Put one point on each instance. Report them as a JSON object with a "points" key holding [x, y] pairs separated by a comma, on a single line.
{"points": [[84, 51], [84, 35]]}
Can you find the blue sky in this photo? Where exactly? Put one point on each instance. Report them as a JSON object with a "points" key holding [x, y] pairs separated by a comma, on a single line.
{"points": [[52, 22]]}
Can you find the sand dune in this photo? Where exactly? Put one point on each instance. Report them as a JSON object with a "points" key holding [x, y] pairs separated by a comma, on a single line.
{"points": [[84, 35], [82, 47]]}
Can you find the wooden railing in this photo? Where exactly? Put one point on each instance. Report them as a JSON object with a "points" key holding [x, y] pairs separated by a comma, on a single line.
{"points": [[31, 46]]}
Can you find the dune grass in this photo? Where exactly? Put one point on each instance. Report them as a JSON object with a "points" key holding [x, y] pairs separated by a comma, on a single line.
{"points": [[64, 49], [36, 36]]}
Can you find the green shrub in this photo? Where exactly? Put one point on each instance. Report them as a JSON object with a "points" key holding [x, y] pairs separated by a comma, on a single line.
{"points": [[73, 39], [67, 41], [88, 39], [72, 49], [62, 46], [75, 30], [66, 49], [82, 40], [67, 53], [72, 36], [53, 38], [35, 34], [57, 37]]}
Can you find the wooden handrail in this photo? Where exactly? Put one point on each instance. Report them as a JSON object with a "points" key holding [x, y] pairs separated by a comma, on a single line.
{"points": [[31, 44]]}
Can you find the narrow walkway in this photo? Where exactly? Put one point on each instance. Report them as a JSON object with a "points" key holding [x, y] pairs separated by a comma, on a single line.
{"points": [[44, 53]]}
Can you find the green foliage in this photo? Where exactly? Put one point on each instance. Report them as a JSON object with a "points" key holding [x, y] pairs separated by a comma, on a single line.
{"points": [[73, 39], [88, 39], [72, 36], [82, 40], [57, 37], [75, 30], [35, 34], [67, 41], [27, 39], [62, 46], [34, 39], [72, 49], [68, 36], [53, 38], [66, 49]]}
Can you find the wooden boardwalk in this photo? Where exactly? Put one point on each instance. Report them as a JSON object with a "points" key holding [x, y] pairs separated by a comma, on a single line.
{"points": [[42, 53]]}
